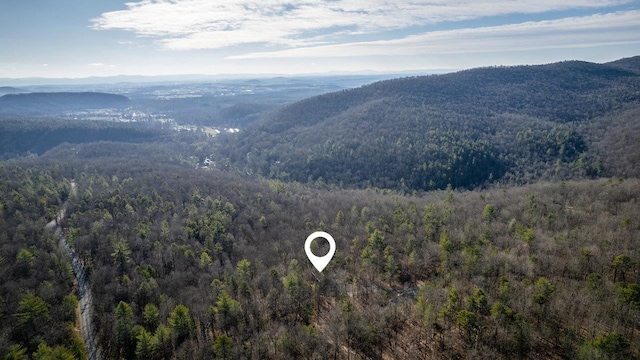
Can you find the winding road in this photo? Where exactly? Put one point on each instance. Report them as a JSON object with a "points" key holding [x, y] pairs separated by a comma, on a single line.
{"points": [[84, 290]]}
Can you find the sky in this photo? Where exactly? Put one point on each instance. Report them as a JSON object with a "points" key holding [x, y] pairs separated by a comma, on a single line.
{"points": [[83, 38]]}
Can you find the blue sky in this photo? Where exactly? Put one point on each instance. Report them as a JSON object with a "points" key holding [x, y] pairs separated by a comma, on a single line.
{"points": [[80, 38]]}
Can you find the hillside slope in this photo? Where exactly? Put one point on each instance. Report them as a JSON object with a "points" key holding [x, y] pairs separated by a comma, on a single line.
{"points": [[464, 129], [23, 137], [543, 271], [630, 63]]}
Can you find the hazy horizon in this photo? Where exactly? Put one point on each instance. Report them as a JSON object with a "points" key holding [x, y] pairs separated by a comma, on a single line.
{"points": [[79, 39]]}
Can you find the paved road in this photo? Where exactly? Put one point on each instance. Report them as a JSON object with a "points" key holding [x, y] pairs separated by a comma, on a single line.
{"points": [[84, 290]]}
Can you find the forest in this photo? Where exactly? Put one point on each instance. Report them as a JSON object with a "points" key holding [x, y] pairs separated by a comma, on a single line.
{"points": [[518, 238], [24, 137], [510, 124]]}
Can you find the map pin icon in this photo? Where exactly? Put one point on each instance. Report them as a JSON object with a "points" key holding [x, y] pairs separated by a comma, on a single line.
{"points": [[320, 262]]}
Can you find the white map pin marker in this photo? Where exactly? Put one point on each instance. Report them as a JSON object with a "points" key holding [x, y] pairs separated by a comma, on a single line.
{"points": [[320, 262]]}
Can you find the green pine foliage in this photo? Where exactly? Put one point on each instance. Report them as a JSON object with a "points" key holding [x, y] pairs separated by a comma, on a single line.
{"points": [[187, 263]]}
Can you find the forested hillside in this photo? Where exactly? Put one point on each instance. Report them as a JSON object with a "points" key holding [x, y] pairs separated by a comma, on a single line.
{"points": [[187, 263], [210, 111], [37, 299], [490, 213], [466, 129], [631, 63], [23, 137]]}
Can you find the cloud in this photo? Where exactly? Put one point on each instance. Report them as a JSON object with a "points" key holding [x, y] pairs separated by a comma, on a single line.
{"points": [[96, 64], [206, 24], [588, 31]]}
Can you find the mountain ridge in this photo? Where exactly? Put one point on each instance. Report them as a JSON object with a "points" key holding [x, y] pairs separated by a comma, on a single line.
{"points": [[463, 129], [628, 63], [4, 90]]}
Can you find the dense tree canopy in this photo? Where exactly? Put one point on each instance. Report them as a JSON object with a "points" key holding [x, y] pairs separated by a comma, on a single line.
{"points": [[188, 262], [464, 129]]}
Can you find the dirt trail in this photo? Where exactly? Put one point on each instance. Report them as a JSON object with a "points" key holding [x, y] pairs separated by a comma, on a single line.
{"points": [[84, 291]]}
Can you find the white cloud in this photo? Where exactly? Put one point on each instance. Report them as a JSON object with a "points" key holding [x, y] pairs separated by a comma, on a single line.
{"points": [[96, 64], [595, 30], [207, 24]]}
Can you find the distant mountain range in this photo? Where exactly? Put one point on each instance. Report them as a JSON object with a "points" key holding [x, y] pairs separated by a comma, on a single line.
{"points": [[172, 79], [465, 129], [55, 102]]}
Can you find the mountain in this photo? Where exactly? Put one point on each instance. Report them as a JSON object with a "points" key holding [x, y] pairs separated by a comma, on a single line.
{"points": [[55, 102], [11, 90], [630, 63], [24, 136], [463, 129]]}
